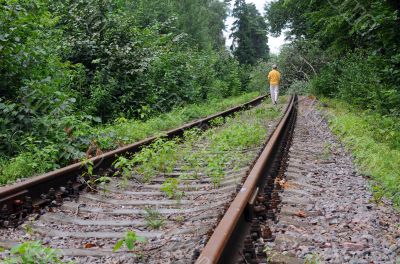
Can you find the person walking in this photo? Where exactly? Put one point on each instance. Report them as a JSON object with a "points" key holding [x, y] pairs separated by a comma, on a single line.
{"points": [[274, 78]]}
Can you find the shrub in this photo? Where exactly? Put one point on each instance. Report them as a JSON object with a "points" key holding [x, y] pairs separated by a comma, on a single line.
{"points": [[360, 80], [299, 87], [325, 83]]}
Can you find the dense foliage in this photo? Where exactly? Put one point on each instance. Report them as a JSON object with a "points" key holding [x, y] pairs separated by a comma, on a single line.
{"points": [[68, 66], [347, 49], [249, 34], [86, 140]]}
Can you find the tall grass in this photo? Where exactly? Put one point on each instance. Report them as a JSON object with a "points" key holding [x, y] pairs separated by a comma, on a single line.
{"points": [[374, 141], [110, 136]]}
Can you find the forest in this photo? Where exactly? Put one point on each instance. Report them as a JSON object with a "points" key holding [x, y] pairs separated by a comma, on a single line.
{"points": [[344, 49], [347, 53], [73, 73], [80, 78], [77, 77]]}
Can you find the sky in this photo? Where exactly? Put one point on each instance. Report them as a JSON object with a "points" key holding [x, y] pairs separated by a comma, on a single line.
{"points": [[273, 43]]}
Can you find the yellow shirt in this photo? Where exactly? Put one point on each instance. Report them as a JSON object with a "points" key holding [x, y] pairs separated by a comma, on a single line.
{"points": [[274, 77]]}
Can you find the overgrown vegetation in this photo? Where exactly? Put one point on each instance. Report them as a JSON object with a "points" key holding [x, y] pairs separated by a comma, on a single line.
{"points": [[88, 141], [33, 253], [79, 77], [375, 142], [211, 152], [348, 50], [225, 149]]}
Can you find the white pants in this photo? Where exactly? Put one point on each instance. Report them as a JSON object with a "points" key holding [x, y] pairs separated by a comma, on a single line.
{"points": [[274, 89]]}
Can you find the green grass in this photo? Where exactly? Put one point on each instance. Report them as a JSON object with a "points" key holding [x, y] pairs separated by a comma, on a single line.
{"points": [[110, 136], [124, 131], [375, 143], [245, 130], [220, 149]]}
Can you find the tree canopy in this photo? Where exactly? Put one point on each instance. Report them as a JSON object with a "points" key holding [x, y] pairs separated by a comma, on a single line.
{"points": [[249, 34], [67, 66], [348, 49]]}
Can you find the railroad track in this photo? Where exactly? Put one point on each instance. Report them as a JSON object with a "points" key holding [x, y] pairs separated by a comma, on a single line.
{"points": [[21, 199], [181, 229], [242, 232]]}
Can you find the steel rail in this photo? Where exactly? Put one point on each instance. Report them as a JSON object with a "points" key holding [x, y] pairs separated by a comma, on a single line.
{"points": [[14, 196], [228, 233]]}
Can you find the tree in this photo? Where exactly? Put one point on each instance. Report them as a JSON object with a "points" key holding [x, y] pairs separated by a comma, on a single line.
{"points": [[249, 33], [202, 21], [356, 39]]}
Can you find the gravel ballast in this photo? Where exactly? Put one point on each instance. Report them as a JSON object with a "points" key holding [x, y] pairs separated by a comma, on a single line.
{"points": [[328, 213]]}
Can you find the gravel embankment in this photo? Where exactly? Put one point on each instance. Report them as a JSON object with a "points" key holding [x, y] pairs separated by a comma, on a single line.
{"points": [[328, 213]]}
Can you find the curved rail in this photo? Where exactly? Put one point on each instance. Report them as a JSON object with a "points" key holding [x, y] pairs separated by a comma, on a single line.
{"points": [[40, 189], [226, 237]]}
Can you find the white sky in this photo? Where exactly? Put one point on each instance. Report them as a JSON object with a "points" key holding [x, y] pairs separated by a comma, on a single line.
{"points": [[273, 43]]}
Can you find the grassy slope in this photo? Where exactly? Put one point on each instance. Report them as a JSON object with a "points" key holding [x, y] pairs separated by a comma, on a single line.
{"points": [[374, 141], [111, 136], [125, 131]]}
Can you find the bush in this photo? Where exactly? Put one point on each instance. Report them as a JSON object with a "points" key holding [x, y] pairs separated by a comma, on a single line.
{"points": [[299, 87], [65, 146], [325, 83], [258, 77], [66, 66], [359, 79]]}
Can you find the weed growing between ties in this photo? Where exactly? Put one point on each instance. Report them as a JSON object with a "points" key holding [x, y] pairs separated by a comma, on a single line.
{"points": [[130, 240], [191, 157], [158, 158], [171, 188], [84, 138], [179, 218], [211, 153], [154, 220], [88, 176], [374, 141], [312, 259], [270, 253], [33, 253], [93, 181], [103, 181], [124, 167]]}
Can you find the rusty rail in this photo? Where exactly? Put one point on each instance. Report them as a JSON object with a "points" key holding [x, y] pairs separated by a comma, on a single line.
{"points": [[40, 189], [228, 236]]}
